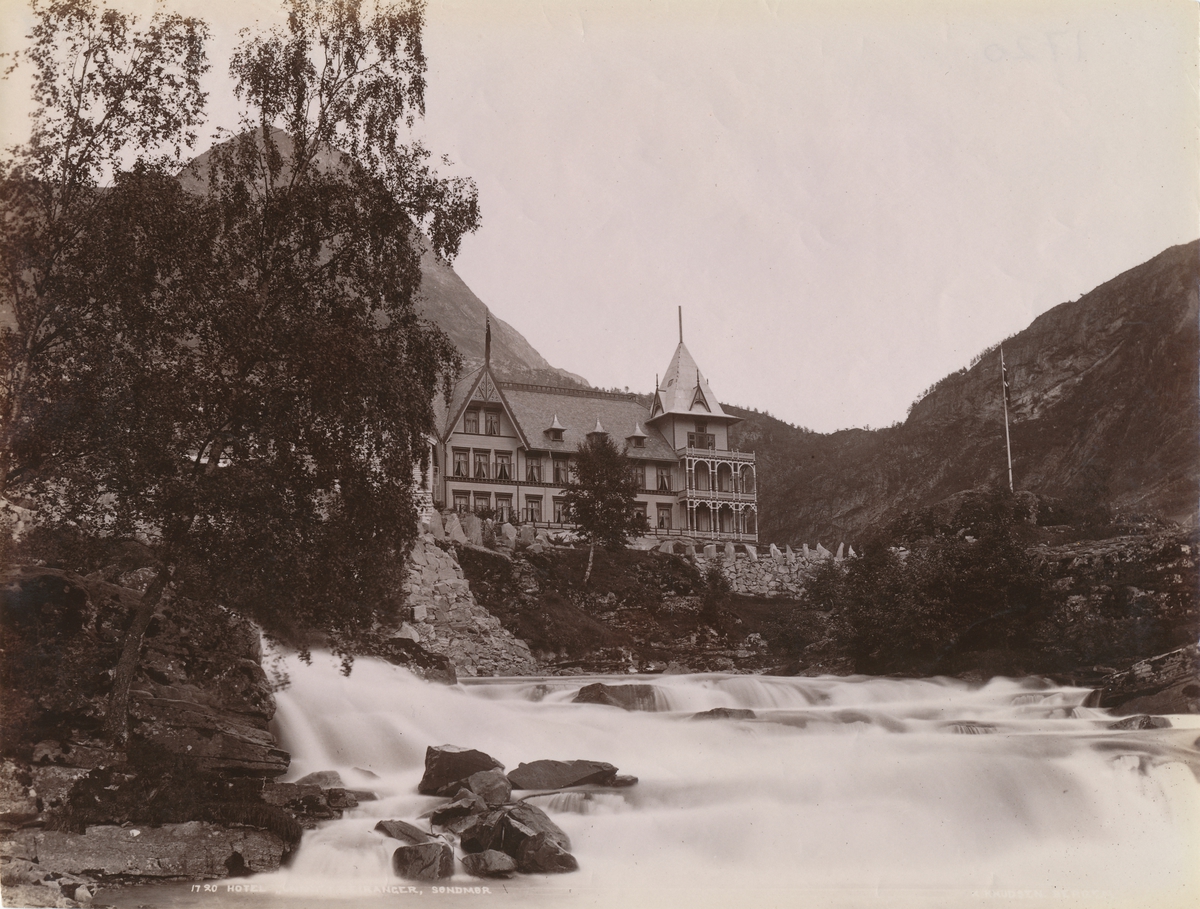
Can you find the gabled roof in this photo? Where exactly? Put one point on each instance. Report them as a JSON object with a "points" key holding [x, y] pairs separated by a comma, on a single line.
{"points": [[482, 386], [534, 407], [683, 390]]}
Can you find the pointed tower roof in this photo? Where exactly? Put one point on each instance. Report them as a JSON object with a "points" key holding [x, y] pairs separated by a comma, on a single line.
{"points": [[684, 390]]}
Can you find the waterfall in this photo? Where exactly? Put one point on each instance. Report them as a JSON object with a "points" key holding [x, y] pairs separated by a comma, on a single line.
{"points": [[841, 792]]}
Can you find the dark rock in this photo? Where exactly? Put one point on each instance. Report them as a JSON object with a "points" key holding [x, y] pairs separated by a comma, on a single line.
{"points": [[309, 804], [489, 863], [627, 697], [561, 774], [482, 832], [490, 785], [537, 843], [1141, 722], [540, 855], [448, 765], [465, 803], [326, 779], [433, 667], [363, 795], [725, 713], [341, 798], [1167, 683], [424, 862], [403, 830], [621, 780], [191, 851]]}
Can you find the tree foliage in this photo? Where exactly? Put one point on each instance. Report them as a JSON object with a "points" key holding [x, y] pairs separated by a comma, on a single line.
{"points": [[252, 384], [601, 493], [934, 584], [105, 91]]}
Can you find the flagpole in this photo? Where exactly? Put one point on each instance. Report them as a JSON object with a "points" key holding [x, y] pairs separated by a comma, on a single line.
{"points": [[1004, 390]]}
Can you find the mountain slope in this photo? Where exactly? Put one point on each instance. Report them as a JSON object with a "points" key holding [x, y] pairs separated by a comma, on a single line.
{"points": [[445, 298], [1105, 411]]}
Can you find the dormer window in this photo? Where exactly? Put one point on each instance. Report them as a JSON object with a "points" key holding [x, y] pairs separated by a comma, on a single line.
{"points": [[637, 438], [555, 430]]}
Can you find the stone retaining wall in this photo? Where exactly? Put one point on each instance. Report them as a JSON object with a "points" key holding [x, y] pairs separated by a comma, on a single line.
{"points": [[443, 617], [775, 573]]}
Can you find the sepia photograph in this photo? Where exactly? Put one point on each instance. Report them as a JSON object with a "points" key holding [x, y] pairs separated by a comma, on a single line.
{"points": [[600, 454]]}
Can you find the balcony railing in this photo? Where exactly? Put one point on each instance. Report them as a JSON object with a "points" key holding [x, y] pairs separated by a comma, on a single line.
{"points": [[717, 495], [716, 454]]}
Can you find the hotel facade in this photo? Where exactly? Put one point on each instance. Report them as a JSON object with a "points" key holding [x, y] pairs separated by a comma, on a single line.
{"points": [[506, 447]]}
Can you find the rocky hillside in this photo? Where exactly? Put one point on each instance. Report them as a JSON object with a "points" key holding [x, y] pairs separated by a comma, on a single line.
{"points": [[1105, 415]]}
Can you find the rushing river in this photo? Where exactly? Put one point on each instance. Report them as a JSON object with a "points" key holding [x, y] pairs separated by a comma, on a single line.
{"points": [[842, 792]]}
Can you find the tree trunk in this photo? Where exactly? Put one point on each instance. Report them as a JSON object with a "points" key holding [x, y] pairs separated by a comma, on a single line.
{"points": [[116, 722], [591, 555]]}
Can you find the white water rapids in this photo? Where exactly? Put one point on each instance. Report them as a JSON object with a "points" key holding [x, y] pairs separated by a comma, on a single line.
{"points": [[843, 792]]}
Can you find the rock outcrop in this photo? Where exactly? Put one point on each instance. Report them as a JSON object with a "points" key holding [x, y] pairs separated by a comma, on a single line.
{"points": [[190, 851], [443, 617], [1168, 683]]}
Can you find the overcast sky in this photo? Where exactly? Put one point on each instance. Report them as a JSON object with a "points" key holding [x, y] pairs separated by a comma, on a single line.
{"points": [[849, 200]]}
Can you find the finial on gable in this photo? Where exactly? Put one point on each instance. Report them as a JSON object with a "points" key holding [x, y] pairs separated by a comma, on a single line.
{"points": [[487, 338], [680, 324]]}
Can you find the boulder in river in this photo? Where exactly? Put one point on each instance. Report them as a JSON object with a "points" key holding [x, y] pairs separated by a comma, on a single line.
{"points": [[433, 861], [490, 785], [446, 766], [525, 833], [403, 831], [465, 802], [1167, 683], [627, 697], [489, 863], [537, 843], [561, 774]]}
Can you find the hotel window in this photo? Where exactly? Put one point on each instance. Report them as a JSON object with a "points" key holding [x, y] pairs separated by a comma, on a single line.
{"points": [[462, 502], [560, 471], [664, 517], [664, 480], [504, 507], [503, 465], [460, 464], [491, 423], [533, 469], [471, 421], [481, 464], [639, 442], [638, 474], [562, 512], [533, 508], [483, 501]]}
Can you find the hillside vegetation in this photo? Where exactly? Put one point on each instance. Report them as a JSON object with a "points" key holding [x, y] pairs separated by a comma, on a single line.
{"points": [[1106, 415]]}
